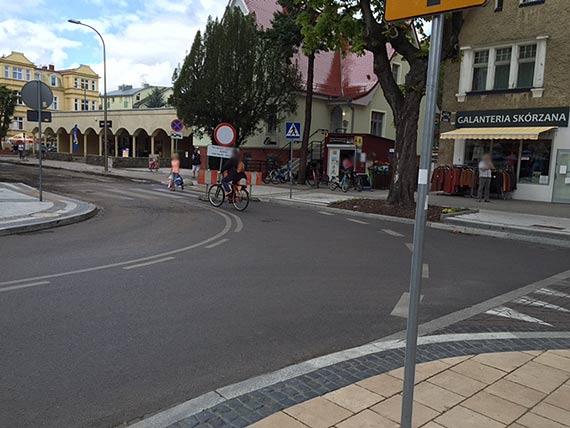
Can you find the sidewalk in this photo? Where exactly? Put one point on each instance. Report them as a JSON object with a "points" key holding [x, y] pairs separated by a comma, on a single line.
{"points": [[529, 389], [21, 211]]}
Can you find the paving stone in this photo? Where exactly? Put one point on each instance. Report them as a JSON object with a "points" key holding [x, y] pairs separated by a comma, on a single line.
{"points": [[460, 417], [392, 409], [552, 412], [279, 420], [354, 398], [458, 383], [494, 407], [436, 397], [554, 360], [506, 361], [367, 419], [532, 420], [433, 425], [384, 385], [516, 393], [478, 371], [560, 397], [538, 376], [534, 353], [562, 352], [318, 413], [423, 371], [456, 360]]}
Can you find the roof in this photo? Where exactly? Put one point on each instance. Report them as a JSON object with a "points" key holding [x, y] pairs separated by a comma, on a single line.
{"points": [[349, 77], [124, 92]]}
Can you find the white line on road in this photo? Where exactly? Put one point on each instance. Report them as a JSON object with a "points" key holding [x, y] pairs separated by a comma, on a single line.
{"points": [[527, 301], [152, 262], [504, 312], [325, 213], [553, 293], [357, 221], [155, 193], [17, 287], [425, 271], [127, 193], [215, 244], [392, 233], [401, 308], [410, 246], [123, 198]]}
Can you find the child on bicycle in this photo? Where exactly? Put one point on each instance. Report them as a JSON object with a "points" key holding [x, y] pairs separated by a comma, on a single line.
{"points": [[175, 173]]}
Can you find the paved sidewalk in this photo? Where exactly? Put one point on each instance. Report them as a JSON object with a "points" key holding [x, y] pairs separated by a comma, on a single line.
{"points": [[528, 389], [21, 211]]}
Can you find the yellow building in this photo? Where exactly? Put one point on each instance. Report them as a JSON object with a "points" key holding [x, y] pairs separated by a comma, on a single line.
{"points": [[73, 90]]}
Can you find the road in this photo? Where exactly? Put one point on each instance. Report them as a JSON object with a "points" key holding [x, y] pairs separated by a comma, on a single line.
{"points": [[161, 298]]}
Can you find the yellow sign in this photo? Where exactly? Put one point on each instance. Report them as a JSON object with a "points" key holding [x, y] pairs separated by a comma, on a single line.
{"points": [[358, 141], [397, 10]]}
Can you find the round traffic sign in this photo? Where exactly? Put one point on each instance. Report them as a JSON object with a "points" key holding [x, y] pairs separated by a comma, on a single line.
{"points": [[36, 93], [225, 134], [177, 125]]}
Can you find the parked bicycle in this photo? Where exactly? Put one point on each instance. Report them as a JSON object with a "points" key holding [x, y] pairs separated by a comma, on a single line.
{"points": [[238, 196], [346, 183], [315, 177], [278, 176]]}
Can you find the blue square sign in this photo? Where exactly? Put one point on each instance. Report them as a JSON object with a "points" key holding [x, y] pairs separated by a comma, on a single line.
{"points": [[293, 130]]}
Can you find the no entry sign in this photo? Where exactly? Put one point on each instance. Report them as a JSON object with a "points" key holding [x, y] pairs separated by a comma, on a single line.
{"points": [[225, 135]]}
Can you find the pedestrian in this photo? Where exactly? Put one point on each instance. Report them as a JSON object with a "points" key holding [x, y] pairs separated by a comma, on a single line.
{"points": [[43, 150], [21, 150], [486, 168], [196, 162], [175, 173]]}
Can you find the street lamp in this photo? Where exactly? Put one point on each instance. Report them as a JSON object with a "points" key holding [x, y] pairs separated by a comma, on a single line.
{"points": [[105, 147]]}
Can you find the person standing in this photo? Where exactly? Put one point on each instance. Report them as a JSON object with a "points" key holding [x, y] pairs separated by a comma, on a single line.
{"points": [[175, 173], [196, 162], [486, 168], [21, 150]]}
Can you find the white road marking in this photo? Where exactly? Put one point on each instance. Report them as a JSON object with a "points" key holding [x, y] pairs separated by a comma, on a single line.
{"points": [[553, 293], [215, 244], [126, 193], [123, 198], [403, 305], [425, 271], [410, 246], [152, 262], [17, 287], [504, 312], [357, 221], [325, 213], [155, 193], [527, 301], [392, 233]]}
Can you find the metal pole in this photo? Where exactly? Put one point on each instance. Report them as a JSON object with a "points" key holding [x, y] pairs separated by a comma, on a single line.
{"points": [[105, 129], [291, 172], [421, 214], [40, 134]]}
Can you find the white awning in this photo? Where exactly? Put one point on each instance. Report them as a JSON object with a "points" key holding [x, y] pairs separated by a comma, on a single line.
{"points": [[530, 133]]}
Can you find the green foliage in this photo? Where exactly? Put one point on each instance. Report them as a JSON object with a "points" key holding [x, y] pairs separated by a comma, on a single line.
{"points": [[155, 99], [7, 106], [234, 73]]}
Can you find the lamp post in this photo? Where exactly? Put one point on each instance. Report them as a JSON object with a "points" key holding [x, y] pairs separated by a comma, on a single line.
{"points": [[105, 122]]}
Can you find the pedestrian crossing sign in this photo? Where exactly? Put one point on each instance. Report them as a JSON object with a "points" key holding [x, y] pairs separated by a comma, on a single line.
{"points": [[293, 130]]}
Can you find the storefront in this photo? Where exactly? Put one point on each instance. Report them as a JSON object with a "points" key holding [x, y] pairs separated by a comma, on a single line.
{"points": [[530, 145]]}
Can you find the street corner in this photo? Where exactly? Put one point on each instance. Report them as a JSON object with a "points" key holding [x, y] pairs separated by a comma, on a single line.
{"points": [[22, 211]]}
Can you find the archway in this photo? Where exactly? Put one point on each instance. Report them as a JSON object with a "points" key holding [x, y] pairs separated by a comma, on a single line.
{"points": [[123, 143], [63, 141], [91, 142], [142, 143], [161, 143]]}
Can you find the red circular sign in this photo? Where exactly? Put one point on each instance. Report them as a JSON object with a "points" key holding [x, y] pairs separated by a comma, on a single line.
{"points": [[225, 135]]}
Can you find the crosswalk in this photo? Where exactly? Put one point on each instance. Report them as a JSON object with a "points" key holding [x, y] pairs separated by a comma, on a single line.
{"points": [[134, 194]]}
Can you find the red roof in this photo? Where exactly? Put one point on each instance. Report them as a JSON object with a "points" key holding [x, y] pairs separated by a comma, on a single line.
{"points": [[349, 77]]}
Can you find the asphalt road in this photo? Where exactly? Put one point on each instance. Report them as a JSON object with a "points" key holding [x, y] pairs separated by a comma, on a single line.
{"points": [[161, 298]]}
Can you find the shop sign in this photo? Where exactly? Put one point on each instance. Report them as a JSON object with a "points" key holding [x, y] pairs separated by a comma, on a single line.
{"points": [[557, 116]]}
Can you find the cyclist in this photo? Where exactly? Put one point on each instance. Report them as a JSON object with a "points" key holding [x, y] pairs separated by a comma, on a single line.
{"points": [[233, 176]]}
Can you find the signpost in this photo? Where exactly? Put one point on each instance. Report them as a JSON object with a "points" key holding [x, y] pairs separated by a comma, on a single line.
{"points": [[402, 10], [225, 135], [220, 152], [37, 96], [292, 133], [176, 136], [102, 124], [176, 125]]}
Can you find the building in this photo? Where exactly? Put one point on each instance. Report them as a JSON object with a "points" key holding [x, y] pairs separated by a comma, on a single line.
{"points": [[73, 89], [510, 95], [128, 97]]}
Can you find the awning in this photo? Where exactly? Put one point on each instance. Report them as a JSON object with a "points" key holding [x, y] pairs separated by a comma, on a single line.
{"points": [[530, 133]]}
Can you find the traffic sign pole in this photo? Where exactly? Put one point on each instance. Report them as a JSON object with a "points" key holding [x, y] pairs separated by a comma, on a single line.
{"points": [[40, 138], [421, 215]]}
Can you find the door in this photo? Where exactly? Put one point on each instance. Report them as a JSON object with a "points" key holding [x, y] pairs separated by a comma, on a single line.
{"points": [[561, 192], [333, 167]]}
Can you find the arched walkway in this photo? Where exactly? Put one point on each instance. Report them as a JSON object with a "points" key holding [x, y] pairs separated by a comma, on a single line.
{"points": [[162, 143], [123, 143], [91, 142], [142, 142], [63, 141]]}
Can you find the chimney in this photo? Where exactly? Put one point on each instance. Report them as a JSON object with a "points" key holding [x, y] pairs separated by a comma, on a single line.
{"points": [[51, 67], [44, 67]]}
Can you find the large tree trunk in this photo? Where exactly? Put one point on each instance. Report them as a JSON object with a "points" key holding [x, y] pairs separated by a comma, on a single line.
{"points": [[308, 118]]}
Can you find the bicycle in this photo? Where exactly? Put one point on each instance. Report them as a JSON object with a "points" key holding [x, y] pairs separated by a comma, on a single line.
{"points": [[316, 177], [346, 183], [238, 197]]}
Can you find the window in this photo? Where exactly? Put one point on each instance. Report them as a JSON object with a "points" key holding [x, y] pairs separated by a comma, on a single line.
{"points": [[84, 105], [6, 71], [498, 5], [480, 68], [53, 80], [474, 151], [502, 67], [377, 123], [527, 60], [76, 104], [17, 73], [75, 82], [55, 104], [18, 98], [93, 85], [93, 105], [28, 75], [396, 72], [272, 123], [337, 119], [18, 123], [138, 97], [535, 162], [126, 103], [84, 84]]}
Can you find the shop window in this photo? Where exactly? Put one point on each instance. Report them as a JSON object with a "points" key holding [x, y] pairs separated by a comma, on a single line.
{"points": [[502, 67], [527, 60], [474, 151], [506, 154], [377, 123], [535, 162], [480, 68]]}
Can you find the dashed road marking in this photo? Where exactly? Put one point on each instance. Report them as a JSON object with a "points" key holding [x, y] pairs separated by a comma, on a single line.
{"points": [[392, 233], [130, 193], [527, 301], [152, 192], [215, 244], [504, 312], [553, 293], [17, 287], [403, 305], [325, 213], [410, 246], [357, 221], [152, 262], [425, 271]]}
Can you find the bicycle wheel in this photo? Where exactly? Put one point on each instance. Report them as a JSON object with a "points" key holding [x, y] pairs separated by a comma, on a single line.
{"points": [[344, 186], [333, 185], [267, 178], [358, 184], [241, 199], [311, 181], [216, 195]]}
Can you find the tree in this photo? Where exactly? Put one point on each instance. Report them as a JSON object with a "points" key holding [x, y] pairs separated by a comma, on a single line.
{"points": [[370, 31], [7, 106], [155, 99], [234, 74]]}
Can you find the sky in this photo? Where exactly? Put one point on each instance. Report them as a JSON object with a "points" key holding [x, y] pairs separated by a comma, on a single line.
{"points": [[145, 40]]}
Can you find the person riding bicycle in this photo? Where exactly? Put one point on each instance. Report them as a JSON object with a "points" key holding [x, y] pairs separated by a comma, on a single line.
{"points": [[233, 171]]}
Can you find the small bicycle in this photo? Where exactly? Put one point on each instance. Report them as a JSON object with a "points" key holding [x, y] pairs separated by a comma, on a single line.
{"points": [[238, 196], [346, 183]]}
